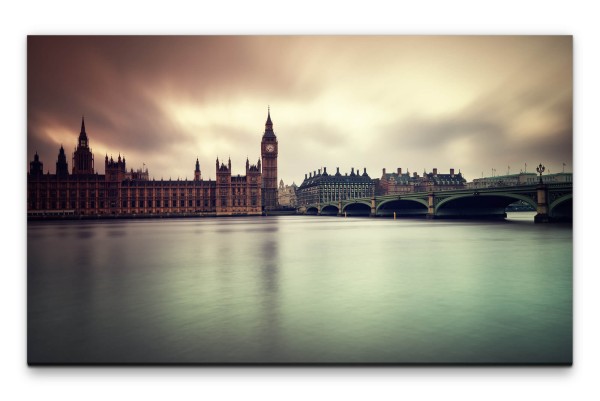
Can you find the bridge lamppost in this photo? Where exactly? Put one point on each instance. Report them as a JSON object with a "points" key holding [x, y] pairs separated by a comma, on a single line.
{"points": [[540, 169], [542, 215]]}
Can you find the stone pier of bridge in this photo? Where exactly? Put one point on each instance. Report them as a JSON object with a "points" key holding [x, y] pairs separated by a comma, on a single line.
{"points": [[542, 215]]}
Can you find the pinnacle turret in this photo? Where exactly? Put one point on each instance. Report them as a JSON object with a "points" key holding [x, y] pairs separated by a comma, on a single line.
{"points": [[82, 133]]}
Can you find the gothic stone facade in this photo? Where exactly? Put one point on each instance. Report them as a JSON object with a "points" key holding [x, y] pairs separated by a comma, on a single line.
{"points": [[119, 192]]}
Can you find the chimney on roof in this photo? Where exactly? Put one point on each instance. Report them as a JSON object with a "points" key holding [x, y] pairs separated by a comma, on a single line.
{"points": [[452, 172], [383, 171], [365, 171], [435, 171], [305, 176], [337, 170], [399, 170], [309, 175], [415, 175], [324, 170], [352, 171], [319, 171]]}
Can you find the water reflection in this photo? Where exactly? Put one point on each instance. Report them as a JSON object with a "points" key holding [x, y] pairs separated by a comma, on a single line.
{"points": [[270, 295], [299, 289]]}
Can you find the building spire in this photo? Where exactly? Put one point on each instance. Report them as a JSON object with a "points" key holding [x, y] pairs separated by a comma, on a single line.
{"points": [[269, 125], [83, 139], [269, 122]]}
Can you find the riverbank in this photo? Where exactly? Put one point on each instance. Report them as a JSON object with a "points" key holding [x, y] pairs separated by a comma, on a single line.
{"points": [[60, 217]]}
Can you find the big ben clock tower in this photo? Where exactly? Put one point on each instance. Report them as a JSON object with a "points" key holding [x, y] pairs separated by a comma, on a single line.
{"points": [[268, 151]]}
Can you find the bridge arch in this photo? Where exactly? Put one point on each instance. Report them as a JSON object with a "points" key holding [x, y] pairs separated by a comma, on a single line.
{"points": [[479, 205], [312, 210], [402, 207], [357, 208], [330, 210], [562, 207]]}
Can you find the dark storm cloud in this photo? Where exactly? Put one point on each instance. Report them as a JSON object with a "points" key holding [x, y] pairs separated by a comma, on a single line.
{"points": [[367, 101], [72, 76], [120, 84], [491, 126]]}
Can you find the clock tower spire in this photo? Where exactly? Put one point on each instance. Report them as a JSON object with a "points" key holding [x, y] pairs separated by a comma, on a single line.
{"points": [[268, 151]]}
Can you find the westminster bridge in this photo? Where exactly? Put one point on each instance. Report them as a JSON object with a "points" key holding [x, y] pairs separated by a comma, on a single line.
{"points": [[553, 202]]}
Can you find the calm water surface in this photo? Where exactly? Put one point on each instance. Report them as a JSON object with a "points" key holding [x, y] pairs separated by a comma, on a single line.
{"points": [[299, 289]]}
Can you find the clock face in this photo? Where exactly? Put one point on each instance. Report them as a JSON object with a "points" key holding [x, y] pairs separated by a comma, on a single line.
{"points": [[270, 148]]}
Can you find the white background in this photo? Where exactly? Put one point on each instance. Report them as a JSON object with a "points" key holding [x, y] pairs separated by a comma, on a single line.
{"points": [[17, 20]]}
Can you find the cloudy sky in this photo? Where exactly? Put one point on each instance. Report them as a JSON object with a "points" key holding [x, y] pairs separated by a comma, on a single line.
{"points": [[473, 103]]}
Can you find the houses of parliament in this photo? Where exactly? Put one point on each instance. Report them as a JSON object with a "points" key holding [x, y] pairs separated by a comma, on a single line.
{"points": [[118, 192]]}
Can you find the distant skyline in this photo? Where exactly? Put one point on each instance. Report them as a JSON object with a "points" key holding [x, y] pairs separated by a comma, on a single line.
{"points": [[472, 103]]}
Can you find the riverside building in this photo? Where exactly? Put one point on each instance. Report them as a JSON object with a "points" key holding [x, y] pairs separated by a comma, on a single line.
{"points": [[511, 180], [320, 187], [286, 194], [399, 183], [118, 192]]}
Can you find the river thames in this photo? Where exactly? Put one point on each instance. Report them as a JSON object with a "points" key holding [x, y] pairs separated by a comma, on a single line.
{"points": [[299, 289]]}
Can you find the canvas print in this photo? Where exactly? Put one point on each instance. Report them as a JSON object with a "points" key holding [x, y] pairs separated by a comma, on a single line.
{"points": [[311, 200]]}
